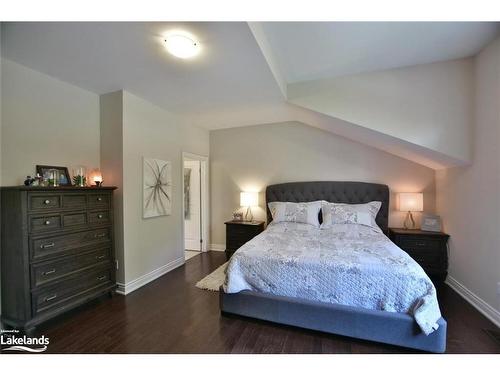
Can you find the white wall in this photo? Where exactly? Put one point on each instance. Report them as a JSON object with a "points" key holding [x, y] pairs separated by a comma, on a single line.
{"points": [[149, 131], [252, 157], [111, 130], [429, 105], [468, 198], [45, 121]]}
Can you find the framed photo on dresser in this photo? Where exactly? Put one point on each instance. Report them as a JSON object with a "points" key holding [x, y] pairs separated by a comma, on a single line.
{"points": [[62, 174], [431, 223]]}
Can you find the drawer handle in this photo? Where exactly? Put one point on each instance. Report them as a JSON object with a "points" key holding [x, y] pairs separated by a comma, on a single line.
{"points": [[99, 216], [49, 272], [420, 243], [99, 235], [100, 278], [99, 199], [46, 201], [100, 257], [54, 296], [47, 222], [46, 246]]}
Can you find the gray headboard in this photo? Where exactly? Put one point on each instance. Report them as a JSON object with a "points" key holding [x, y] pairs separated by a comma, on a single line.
{"points": [[332, 191]]}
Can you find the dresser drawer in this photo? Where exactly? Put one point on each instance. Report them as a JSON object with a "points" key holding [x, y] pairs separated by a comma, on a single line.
{"points": [[74, 219], [99, 217], [46, 202], [46, 272], [99, 200], [45, 223], [74, 201], [48, 246], [71, 289]]}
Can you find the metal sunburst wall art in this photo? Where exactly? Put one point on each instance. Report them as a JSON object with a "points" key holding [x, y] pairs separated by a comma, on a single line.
{"points": [[157, 188]]}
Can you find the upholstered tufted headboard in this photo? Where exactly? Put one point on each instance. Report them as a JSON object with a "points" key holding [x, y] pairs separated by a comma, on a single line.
{"points": [[332, 191]]}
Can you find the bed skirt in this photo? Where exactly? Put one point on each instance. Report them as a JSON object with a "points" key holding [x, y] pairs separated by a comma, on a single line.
{"points": [[380, 326]]}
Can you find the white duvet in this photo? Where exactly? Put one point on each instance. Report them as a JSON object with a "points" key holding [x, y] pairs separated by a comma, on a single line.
{"points": [[348, 264]]}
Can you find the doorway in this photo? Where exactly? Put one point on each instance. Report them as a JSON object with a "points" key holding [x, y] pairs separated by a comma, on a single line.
{"points": [[195, 205]]}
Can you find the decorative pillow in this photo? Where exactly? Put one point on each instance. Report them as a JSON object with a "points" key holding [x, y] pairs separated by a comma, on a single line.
{"points": [[304, 212], [342, 213]]}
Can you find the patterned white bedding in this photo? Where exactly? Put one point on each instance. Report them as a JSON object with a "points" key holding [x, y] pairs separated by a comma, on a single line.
{"points": [[348, 264]]}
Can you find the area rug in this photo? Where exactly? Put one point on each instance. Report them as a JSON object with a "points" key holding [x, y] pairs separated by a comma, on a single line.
{"points": [[214, 280]]}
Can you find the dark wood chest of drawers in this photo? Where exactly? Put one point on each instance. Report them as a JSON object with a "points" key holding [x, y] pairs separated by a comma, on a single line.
{"points": [[429, 249], [57, 251], [240, 232]]}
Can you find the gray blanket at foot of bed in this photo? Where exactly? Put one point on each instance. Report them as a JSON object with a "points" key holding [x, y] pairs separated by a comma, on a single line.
{"points": [[380, 326]]}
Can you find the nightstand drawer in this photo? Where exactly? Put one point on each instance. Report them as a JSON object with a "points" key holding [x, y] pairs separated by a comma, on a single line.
{"points": [[241, 230], [416, 244]]}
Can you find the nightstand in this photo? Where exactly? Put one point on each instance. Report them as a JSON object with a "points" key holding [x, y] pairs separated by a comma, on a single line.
{"points": [[429, 249], [240, 232]]}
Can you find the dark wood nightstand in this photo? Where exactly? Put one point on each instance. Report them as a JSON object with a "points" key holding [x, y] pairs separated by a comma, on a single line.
{"points": [[240, 232], [429, 249]]}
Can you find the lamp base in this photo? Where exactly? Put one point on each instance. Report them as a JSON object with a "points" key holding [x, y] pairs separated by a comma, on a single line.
{"points": [[409, 223], [248, 214]]}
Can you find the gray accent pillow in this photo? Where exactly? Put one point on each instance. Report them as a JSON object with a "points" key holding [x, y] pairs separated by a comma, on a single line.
{"points": [[304, 212]]}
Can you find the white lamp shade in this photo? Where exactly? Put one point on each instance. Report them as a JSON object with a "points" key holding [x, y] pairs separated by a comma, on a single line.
{"points": [[411, 202], [249, 199]]}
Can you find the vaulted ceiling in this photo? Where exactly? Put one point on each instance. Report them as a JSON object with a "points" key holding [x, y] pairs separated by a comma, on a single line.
{"points": [[245, 71]]}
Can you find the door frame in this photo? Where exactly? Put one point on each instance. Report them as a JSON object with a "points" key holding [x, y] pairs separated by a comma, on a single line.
{"points": [[204, 189]]}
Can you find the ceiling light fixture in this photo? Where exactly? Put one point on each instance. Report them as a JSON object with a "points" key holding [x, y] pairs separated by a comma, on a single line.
{"points": [[182, 46]]}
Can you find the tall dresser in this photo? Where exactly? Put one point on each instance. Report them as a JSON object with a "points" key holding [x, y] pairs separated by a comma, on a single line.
{"points": [[57, 250]]}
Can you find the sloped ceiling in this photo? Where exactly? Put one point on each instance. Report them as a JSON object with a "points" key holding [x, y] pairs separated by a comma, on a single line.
{"points": [[307, 51], [246, 72]]}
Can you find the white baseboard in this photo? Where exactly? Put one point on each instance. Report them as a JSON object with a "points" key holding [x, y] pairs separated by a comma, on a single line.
{"points": [[217, 247], [147, 278], [482, 306]]}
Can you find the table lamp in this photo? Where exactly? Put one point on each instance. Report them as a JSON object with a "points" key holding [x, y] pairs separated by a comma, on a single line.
{"points": [[249, 200], [410, 202]]}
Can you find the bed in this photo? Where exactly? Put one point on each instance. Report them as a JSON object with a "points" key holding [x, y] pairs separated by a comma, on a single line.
{"points": [[348, 280]]}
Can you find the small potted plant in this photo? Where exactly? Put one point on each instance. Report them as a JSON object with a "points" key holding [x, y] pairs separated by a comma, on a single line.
{"points": [[79, 176]]}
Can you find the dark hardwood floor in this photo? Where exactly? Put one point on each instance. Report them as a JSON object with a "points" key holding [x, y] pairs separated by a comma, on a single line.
{"points": [[170, 315]]}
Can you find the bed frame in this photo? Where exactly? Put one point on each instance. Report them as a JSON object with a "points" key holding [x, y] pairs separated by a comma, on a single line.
{"points": [[380, 326]]}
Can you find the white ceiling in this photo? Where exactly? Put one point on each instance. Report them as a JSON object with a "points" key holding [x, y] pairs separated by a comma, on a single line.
{"points": [[231, 76], [316, 50], [242, 74], [230, 72]]}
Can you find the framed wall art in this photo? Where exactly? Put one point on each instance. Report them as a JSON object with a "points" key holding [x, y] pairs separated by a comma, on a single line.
{"points": [[157, 188]]}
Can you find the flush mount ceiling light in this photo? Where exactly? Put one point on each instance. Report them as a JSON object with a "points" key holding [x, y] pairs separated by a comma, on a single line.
{"points": [[182, 46]]}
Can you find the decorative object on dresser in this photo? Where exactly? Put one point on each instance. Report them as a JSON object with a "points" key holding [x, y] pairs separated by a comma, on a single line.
{"points": [[96, 177], [80, 176], [410, 202], [431, 223], [249, 200], [57, 250], [54, 176], [240, 232], [157, 188], [429, 249]]}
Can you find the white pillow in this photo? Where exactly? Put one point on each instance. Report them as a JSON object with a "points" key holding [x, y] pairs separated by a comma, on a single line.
{"points": [[304, 212], [342, 213]]}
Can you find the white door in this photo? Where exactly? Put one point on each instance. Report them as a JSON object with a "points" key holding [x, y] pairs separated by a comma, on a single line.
{"points": [[192, 205]]}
